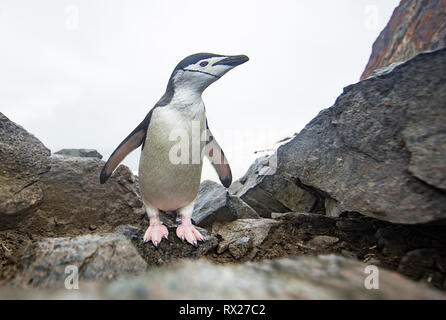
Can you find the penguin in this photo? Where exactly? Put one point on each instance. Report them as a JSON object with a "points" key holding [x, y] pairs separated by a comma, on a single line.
{"points": [[175, 136]]}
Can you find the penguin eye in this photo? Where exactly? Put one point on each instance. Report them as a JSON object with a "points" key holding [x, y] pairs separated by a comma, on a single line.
{"points": [[204, 63]]}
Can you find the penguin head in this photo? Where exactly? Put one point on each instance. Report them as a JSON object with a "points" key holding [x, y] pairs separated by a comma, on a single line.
{"points": [[196, 72]]}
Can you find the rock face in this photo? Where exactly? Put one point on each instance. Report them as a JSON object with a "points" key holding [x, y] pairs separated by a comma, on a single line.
{"points": [[23, 158], [321, 277], [215, 204], [82, 153], [415, 26], [380, 149], [101, 256]]}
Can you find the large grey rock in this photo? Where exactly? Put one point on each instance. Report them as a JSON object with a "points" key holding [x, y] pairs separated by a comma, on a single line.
{"points": [[215, 204], [267, 191], [169, 250], [83, 153], [75, 201], [104, 256], [381, 149], [23, 158], [302, 277]]}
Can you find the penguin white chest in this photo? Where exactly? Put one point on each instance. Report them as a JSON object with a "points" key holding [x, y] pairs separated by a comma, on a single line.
{"points": [[171, 160]]}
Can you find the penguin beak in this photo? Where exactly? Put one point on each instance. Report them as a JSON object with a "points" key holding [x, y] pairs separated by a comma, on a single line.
{"points": [[232, 61]]}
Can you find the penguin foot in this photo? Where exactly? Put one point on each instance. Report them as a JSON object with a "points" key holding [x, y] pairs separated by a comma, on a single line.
{"points": [[155, 233], [186, 231]]}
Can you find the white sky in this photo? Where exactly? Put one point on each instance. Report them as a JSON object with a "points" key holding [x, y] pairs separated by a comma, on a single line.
{"points": [[83, 74]]}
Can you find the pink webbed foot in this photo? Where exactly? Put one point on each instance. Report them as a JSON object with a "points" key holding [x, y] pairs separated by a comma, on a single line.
{"points": [[186, 231], [155, 232]]}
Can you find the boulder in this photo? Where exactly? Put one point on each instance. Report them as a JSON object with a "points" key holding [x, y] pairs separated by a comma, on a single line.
{"points": [[215, 204], [75, 202], [380, 149], [82, 153], [104, 256], [302, 277], [415, 26], [266, 191], [23, 158]]}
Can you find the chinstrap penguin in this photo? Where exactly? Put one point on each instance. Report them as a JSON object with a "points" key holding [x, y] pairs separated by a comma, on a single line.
{"points": [[169, 170]]}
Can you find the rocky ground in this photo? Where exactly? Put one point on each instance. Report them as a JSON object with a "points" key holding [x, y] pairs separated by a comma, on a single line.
{"points": [[363, 185]]}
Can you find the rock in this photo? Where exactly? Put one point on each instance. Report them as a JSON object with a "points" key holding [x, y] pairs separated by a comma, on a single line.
{"points": [[214, 204], [267, 192], [380, 149], [334, 208], [168, 250], [104, 256], [302, 277], [353, 225], [321, 242], [83, 153], [417, 263], [256, 229], [240, 247], [23, 158], [414, 27], [74, 199]]}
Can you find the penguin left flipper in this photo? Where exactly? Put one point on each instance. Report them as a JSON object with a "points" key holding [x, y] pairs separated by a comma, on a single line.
{"points": [[217, 158], [133, 141]]}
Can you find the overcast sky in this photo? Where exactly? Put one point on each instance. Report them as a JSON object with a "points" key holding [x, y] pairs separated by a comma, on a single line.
{"points": [[83, 74]]}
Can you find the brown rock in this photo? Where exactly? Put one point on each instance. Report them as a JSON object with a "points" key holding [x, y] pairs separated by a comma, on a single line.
{"points": [[23, 158], [414, 27], [74, 199]]}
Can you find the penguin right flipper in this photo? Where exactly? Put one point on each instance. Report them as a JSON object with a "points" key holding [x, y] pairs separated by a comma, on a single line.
{"points": [[133, 141]]}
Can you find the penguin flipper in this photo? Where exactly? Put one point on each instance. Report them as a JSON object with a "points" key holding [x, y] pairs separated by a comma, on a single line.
{"points": [[217, 158], [133, 141]]}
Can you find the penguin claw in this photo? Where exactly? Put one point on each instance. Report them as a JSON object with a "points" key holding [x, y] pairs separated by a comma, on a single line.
{"points": [[155, 233], [186, 231]]}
